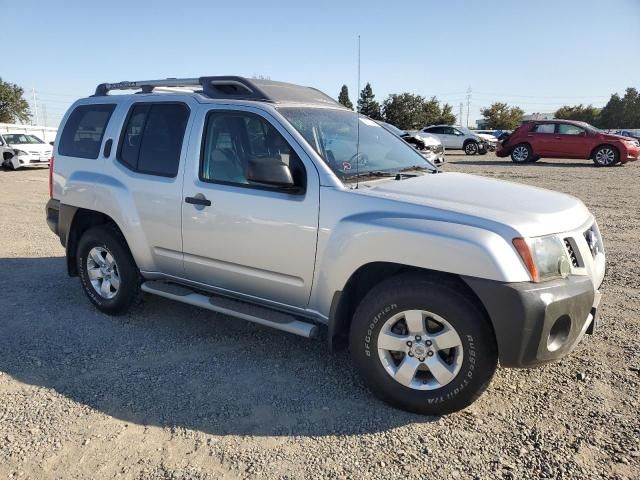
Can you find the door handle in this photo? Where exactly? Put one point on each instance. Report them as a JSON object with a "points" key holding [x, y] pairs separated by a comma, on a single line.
{"points": [[198, 201]]}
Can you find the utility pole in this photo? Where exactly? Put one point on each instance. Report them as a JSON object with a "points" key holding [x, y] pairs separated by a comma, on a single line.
{"points": [[460, 113], [35, 103], [468, 104], [44, 114]]}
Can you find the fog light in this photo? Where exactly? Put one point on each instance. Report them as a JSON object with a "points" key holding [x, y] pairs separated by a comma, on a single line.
{"points": [[559, 333]]}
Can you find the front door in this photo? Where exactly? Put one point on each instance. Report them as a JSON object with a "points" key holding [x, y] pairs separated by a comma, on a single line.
{"points": [[571, 141], [243, 237]]}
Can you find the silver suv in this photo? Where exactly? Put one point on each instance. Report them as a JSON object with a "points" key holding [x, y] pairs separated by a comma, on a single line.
{"points": [[272, 203]]}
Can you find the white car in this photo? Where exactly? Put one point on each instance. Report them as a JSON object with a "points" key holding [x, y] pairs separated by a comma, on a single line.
{"points": [[22, 150], [429, 146], [455, 137]]}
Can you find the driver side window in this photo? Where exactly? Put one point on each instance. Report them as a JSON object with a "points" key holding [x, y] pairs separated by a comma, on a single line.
{"points": [[232, 140]]}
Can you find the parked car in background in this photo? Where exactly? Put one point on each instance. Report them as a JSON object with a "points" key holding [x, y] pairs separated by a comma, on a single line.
{"points": [[429, 146], [629, 133], [567, 139], [489, 136], [455, 137], [23, 150]]}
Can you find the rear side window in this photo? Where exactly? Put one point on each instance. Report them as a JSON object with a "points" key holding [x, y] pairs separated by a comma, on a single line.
{"points": [[545, 128], [151, 140], [83, 132]]}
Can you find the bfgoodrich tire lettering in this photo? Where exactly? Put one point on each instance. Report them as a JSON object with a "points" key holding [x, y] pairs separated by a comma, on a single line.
{"points": [[107, 239], [412, 292]]}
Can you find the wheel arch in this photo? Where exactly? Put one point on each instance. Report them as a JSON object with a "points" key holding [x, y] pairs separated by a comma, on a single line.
{"points": [[345, 302], [74, 222], [600, 145]]}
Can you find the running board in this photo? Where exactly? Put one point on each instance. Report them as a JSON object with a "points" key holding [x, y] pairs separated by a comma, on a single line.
{"points": [[234, 308]]}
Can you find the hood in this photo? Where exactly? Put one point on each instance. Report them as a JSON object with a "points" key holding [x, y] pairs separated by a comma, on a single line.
{"points": [[427, 138], [613, 137], [531, 211], [33, 147]]}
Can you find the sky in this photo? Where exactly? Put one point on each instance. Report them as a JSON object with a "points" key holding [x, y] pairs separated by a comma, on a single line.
{"points": [[538, 54]]}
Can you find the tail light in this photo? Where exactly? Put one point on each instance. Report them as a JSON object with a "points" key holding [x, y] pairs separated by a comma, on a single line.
{"points": [[51, 177]]}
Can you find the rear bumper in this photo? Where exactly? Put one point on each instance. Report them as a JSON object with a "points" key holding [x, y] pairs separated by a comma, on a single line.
{"points": [[537, 323], [502, 151], [52, 211]]}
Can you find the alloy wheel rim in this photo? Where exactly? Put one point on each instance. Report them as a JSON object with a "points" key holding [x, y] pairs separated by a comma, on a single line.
{"points": [[420, 350], [471, 148], [521, 154], [605, 156], [103, 272]]}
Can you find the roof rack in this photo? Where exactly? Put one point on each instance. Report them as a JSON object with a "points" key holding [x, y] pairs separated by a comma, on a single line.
{"points": [[230, 87]]}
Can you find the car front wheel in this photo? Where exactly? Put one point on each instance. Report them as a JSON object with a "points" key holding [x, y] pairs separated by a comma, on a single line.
{"points": [[605, 156], [471, 148], [422, 346], [521, 153]]}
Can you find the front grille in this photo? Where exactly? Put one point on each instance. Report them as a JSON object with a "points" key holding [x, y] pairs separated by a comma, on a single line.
{"points": [[568, 243], [438, 149]]}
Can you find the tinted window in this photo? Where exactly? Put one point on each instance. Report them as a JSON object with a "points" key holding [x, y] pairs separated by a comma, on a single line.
{"points": [[567, 129], [83, 132], [437, 130], [151, 141], [233, 139], [545, 128]]}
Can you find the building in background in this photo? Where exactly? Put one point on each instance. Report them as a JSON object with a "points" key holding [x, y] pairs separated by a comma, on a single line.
{"points": [[47, 134]]}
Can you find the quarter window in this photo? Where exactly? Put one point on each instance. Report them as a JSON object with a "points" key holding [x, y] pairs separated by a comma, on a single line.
{"points": [[83, 132], [151, 140], [233, 139]]}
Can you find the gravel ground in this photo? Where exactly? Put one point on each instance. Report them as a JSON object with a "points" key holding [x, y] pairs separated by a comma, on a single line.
{"points": [[173, 392]]}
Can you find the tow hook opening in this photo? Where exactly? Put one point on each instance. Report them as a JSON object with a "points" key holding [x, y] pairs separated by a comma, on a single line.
{"points": [[559, 333]]}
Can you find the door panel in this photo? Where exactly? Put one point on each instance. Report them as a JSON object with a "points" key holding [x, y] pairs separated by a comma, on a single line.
{"points": [[253, 241], [572, 141], [541, 138]]}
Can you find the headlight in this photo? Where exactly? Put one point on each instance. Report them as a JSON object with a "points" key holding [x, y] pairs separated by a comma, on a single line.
{"points": [[544, 257]]}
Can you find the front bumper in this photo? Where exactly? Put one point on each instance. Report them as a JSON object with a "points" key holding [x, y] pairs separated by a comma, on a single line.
{"points": [[632, 154], [536, 323], [434, 157]]}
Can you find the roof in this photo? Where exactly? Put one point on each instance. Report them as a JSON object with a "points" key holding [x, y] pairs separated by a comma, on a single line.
{"points": [[229, 88]]}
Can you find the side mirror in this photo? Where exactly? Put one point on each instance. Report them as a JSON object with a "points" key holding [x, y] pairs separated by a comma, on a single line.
{"points": [[270, 171], [583, 134]]}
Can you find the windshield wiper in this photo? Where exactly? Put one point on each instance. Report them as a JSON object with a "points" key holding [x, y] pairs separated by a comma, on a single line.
{"points": [[380, 174]]}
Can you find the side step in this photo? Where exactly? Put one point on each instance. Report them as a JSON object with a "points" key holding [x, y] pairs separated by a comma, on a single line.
{"points": [[233, 308]]}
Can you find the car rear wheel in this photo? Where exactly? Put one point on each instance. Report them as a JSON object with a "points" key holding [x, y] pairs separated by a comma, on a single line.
{"points": [[422, 346], [471, 148], [108, 273], [605, 156], [521, 153]]}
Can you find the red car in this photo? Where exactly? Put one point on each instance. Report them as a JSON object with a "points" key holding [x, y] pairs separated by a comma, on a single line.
{"points": [[567, 139]]}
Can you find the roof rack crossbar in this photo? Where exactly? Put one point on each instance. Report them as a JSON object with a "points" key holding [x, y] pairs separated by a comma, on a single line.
{"points": [[146, 85]]}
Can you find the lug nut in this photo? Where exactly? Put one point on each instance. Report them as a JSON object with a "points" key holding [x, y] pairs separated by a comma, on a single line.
{"points": [[428, 343], [410, 354], [409, 343], [418, 338], [430, 353]]}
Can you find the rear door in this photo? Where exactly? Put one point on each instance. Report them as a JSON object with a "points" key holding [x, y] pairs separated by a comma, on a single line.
{"points": [[542, 139], [244, 238], [572, 141]]}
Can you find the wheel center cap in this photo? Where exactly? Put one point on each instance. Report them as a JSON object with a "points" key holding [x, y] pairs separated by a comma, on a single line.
{"points": [[419, 350]]}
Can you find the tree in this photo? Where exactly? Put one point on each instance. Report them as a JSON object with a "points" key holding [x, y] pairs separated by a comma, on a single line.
{"points": [[589, 113], [367, 104], [502, 116], [622, 112], [13, 106], [408, 111], [405, 110], [343, 98]]}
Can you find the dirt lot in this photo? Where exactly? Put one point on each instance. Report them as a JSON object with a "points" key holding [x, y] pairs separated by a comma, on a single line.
{"points": [[173, 392]]}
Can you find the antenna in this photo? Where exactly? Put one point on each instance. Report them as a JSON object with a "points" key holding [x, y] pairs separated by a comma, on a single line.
{"points": [[358, 122]]}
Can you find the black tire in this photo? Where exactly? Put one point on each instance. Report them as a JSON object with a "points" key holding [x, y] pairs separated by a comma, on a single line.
{"points": [[605, 156], [6, 157], [110, 239], [471, 147], [417, 292], [521, 153], [483, 152]]}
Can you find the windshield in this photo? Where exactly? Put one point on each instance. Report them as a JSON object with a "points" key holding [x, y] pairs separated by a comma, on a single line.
{"points": [[392, 128], [20, 138], [333, 135], [588, 126]]}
